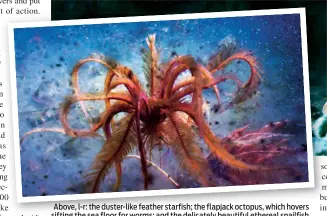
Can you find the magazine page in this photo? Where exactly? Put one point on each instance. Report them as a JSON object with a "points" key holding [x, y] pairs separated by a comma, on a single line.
{"points": [[125, 109]]}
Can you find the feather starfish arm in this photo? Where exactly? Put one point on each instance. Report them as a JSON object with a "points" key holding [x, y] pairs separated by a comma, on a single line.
{"points": [[125, 72], [113, 151], [109, 114], [105, 120], [245, 90], [150, 59], [65, 107], [207, 79], [187, 62], [107, 83], [202, 80], [109, 77], [80, 64], [196, 165], [245, 56], [183, 84], [118, 175], [177, 66], [141, 147], [190, 89], [81, 97], [190, 81], [74, 79], [132, 88], [250, 86], [212, 83], [38, 130], [215, 145], [120, 96]]}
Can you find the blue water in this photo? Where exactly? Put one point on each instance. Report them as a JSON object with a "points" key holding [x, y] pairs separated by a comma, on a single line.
{"points": [[45, 56]]}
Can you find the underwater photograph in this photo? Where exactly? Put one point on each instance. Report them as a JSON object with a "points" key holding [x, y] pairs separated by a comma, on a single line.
{"points": [[151, 105]]}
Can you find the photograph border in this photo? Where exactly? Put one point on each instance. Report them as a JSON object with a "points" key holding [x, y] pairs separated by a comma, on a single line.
{"points": [[161, 192]]}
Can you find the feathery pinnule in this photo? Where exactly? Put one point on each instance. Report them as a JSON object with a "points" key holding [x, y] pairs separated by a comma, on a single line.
{"points": [[113, 151]]}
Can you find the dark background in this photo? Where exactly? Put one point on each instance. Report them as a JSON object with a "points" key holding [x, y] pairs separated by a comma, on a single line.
{"points": [[315, 14]]}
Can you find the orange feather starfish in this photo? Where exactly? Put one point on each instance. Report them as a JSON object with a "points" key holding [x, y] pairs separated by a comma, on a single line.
{"points": [[157, 116]]}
